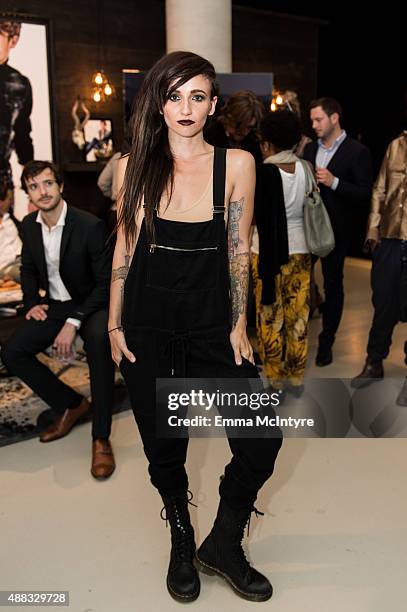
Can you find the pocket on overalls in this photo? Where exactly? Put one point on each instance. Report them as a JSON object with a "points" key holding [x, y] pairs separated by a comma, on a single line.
{"points": [[182, 268]]}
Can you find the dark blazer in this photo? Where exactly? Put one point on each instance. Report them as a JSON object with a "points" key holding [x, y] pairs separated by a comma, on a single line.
{"points": [[84, 265], [271, 221], [352, 164]]}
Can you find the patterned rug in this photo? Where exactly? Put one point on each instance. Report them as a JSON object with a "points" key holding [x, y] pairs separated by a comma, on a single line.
{"points": [[24, 415]]}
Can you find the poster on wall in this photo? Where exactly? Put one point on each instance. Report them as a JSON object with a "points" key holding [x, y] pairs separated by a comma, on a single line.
{"points": [[26, 114], [98, 137]]}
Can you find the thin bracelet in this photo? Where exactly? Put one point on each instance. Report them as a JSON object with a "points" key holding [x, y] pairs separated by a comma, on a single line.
{"points": [[114, 329]]}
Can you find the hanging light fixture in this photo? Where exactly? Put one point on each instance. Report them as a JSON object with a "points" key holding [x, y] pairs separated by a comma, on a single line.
{"points": [[102, 89], [277, 100]]}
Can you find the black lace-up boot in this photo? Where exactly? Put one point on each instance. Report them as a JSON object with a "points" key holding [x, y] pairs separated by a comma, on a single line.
{"points": [[222, 553], [182, 578]]}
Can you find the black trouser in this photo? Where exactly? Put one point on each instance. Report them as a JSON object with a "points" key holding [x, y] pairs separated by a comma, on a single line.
{"points": [[19, 355], [253, 458], [332, 270], [387, 263]]}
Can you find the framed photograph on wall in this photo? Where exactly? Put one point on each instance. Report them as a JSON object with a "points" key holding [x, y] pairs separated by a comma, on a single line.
{"points": [[99, 139], [27, 114]]}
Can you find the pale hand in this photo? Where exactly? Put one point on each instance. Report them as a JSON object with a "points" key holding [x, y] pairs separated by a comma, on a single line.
{"points": [[324, 177], [62, 344], [241, 345], [119, 347], [37, 312]]}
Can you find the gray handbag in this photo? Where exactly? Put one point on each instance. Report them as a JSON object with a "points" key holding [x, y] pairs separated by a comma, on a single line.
{"points": [[318, 230]]}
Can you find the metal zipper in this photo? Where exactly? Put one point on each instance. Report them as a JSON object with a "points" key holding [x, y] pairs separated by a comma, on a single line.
{"points": [[153, 247]]}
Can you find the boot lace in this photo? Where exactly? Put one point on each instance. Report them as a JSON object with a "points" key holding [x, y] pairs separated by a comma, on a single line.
{"points": [[237, 551], [183, 541]]}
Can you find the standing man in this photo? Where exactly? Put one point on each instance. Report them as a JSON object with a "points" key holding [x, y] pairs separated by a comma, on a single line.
{"points": [[343, 169], [387, 240], [64, 254], [15, 111]]}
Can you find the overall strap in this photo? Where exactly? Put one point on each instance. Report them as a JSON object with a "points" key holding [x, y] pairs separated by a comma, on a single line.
{"points": [[219, 181]]}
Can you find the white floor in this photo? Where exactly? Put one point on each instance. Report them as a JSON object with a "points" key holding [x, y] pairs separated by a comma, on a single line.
{"points": [[334, 534]]}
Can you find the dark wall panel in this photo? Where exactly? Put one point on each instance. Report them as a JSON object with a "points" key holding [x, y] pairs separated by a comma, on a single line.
{"points": [[287, 46], [133, 36]]}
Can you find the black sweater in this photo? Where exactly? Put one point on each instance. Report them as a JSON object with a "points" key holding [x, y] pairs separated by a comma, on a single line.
{"points": [[271, 221]]}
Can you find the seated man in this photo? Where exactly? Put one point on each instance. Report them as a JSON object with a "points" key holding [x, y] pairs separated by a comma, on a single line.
{"points": [[65, 254]]}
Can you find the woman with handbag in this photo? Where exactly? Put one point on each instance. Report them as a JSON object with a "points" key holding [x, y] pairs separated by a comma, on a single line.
{"points": [[281, 259]]}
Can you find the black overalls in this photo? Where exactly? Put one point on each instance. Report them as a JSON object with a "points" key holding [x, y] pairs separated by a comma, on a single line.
{"points": [[176, 319]]}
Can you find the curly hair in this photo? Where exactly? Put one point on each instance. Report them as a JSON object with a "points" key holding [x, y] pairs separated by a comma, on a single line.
{"points": [[281, 128]]}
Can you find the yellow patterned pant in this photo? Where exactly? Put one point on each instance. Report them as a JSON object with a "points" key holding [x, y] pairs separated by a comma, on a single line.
{"points": [[282, 327]]}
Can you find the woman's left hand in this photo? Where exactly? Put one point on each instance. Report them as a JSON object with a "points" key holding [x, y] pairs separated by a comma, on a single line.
{"points": [[241, 345]]}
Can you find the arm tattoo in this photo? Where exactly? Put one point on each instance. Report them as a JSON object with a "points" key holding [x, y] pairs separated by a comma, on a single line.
{"points": [[235, 214], [122, 272], [238, 262], [239, 284]]}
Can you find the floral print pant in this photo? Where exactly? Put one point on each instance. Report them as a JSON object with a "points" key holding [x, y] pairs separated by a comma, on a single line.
{"points": [[282, 327]]}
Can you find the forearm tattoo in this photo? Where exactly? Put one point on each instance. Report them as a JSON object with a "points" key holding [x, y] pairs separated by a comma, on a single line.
{"points": [[238, 262], [235, 214], [121, 272], [239, 284]]}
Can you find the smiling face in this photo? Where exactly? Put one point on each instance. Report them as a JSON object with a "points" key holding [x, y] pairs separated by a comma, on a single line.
{"points": [[44, 191], [187, 108]]}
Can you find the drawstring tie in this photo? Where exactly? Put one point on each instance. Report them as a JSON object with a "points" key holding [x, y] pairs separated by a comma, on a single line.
{"points": [[182, 340]]}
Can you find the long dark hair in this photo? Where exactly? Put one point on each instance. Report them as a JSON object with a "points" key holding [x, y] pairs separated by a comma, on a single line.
{"points": [[150, 167]]}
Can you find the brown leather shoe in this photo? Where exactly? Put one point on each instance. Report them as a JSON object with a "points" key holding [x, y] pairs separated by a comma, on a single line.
{"points": [[103, 464], [373, 370], [63, 425]]}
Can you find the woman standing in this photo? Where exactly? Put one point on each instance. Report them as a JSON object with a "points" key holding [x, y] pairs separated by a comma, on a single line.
{"points": [[175, 280], [281, 262]]}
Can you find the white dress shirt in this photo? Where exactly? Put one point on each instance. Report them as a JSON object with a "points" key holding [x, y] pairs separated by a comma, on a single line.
{"points": [[325, 154], [10, 243], [51, 238]]}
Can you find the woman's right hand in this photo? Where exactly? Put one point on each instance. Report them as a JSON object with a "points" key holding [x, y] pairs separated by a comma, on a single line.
{"points": [[119, 347]]}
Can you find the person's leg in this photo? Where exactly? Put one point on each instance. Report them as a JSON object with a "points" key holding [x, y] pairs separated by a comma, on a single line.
{"points": [[251, 465], [332, 269], [257, 286], [19, 355], [166, 458], [101, 371], [296, 313], [385, 283], [269, 326]]}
